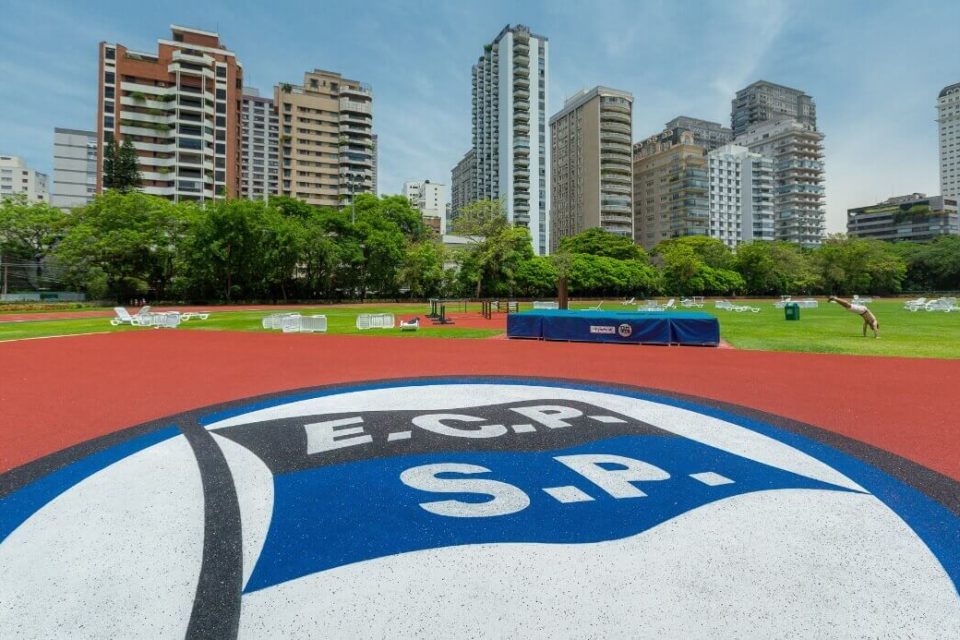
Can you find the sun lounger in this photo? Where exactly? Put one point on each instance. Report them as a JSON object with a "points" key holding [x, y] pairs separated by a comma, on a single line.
{"points": [[410, 325]]}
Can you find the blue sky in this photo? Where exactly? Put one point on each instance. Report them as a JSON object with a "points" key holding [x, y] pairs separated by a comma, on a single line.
{"points": [[874, 68]]}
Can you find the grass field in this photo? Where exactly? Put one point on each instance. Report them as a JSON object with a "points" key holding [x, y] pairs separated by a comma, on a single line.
{"points": [[828, 329]]}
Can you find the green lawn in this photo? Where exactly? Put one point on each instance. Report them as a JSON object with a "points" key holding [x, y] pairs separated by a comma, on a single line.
{"points": [[828, 329], [340, 320]]}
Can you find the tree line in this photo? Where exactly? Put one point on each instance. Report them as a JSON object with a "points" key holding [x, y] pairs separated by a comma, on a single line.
{"points": [[125, 245]]}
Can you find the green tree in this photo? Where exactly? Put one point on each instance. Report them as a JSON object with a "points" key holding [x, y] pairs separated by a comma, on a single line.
{"points": [[849, 265], [127, 242], [422, 269], [489, 261], [598, 242], [931, 266], [121, 170], [775, 268], [697, 266]]}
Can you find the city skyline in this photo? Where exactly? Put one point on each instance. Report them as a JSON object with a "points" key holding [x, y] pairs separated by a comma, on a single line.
{"points": [[875, 102]]}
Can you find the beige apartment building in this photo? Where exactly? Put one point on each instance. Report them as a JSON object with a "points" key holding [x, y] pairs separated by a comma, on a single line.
{"points": [[326, 138], [591, 173], [180, 108], [670, 189]]}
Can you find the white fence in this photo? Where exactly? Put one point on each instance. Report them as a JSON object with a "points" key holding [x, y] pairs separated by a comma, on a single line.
{"points": [[546, 305]]}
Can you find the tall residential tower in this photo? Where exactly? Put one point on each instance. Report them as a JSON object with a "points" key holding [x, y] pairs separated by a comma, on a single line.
{"points": [[591, 171], [762, 101], [259, 147], [180, 107], [510, 86], [781, 124], [948, 119], [326, 138]]}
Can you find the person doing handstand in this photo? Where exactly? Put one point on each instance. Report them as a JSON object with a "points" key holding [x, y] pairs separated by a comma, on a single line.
{"points": [[869, 320]]}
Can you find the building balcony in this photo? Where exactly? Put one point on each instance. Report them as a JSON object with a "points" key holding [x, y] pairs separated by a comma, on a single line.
{"points": [[609, 187], [616, 127], [614, 116], [202, 59], [354, 106], [520, 59], [521, 81], [612, 136], [520, 103], [614, 107], [363, 91], [521, 116], [185, 70], [146, 132], [618, 178]]}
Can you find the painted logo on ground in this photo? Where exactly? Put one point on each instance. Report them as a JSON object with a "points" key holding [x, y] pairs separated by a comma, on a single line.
{"points": [[474, 507]]}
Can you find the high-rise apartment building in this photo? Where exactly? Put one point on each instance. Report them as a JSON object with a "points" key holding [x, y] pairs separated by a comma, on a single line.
{"points": [[326, 138], [17, 178], [741, 195], [591, 168], [376, 160], [706, 134], [180, 107], [796, 149], [463, 184], [914, 218], [510, 86], [948, 119], [259, 147], [763, 101], [74, 168], [669, 189], [430, 198]]}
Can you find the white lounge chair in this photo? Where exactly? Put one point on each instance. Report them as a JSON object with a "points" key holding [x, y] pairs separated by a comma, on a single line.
{"points": [[861, 299], [545, 305], [124, 317], [915, 305], [375, 321], [653, 305], [275, 320], [313, 324], [942, 304], [694, 302], [596, 308], [630, 302], [165, 320], [410, 325], [190, 315]]}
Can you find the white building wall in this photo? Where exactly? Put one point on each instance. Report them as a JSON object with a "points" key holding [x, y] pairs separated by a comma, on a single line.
{"points": [[494, 82], [740, 196], [74, 168], [948, 119], [430, 198], [16, 177]]}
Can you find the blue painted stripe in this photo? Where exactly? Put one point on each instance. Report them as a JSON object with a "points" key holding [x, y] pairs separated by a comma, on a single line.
{"points": [[23, 503]]}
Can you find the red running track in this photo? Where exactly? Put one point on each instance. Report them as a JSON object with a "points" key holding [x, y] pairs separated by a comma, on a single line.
{"points": [[59, 392]]}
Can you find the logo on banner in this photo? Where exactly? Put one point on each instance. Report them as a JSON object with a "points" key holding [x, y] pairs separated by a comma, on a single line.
{"points": [[624, 330], [348, 483], [602, 329]]}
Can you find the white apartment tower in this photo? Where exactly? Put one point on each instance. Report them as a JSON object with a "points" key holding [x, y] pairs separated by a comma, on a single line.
{"points": [[948, 119], [796, 149], [430, 198], [259, 146], [741, 195], [510, 129], [74, 168], [16, 178]]}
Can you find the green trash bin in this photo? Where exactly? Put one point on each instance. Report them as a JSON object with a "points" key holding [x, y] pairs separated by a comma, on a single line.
{"points": [[791, 311]]}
